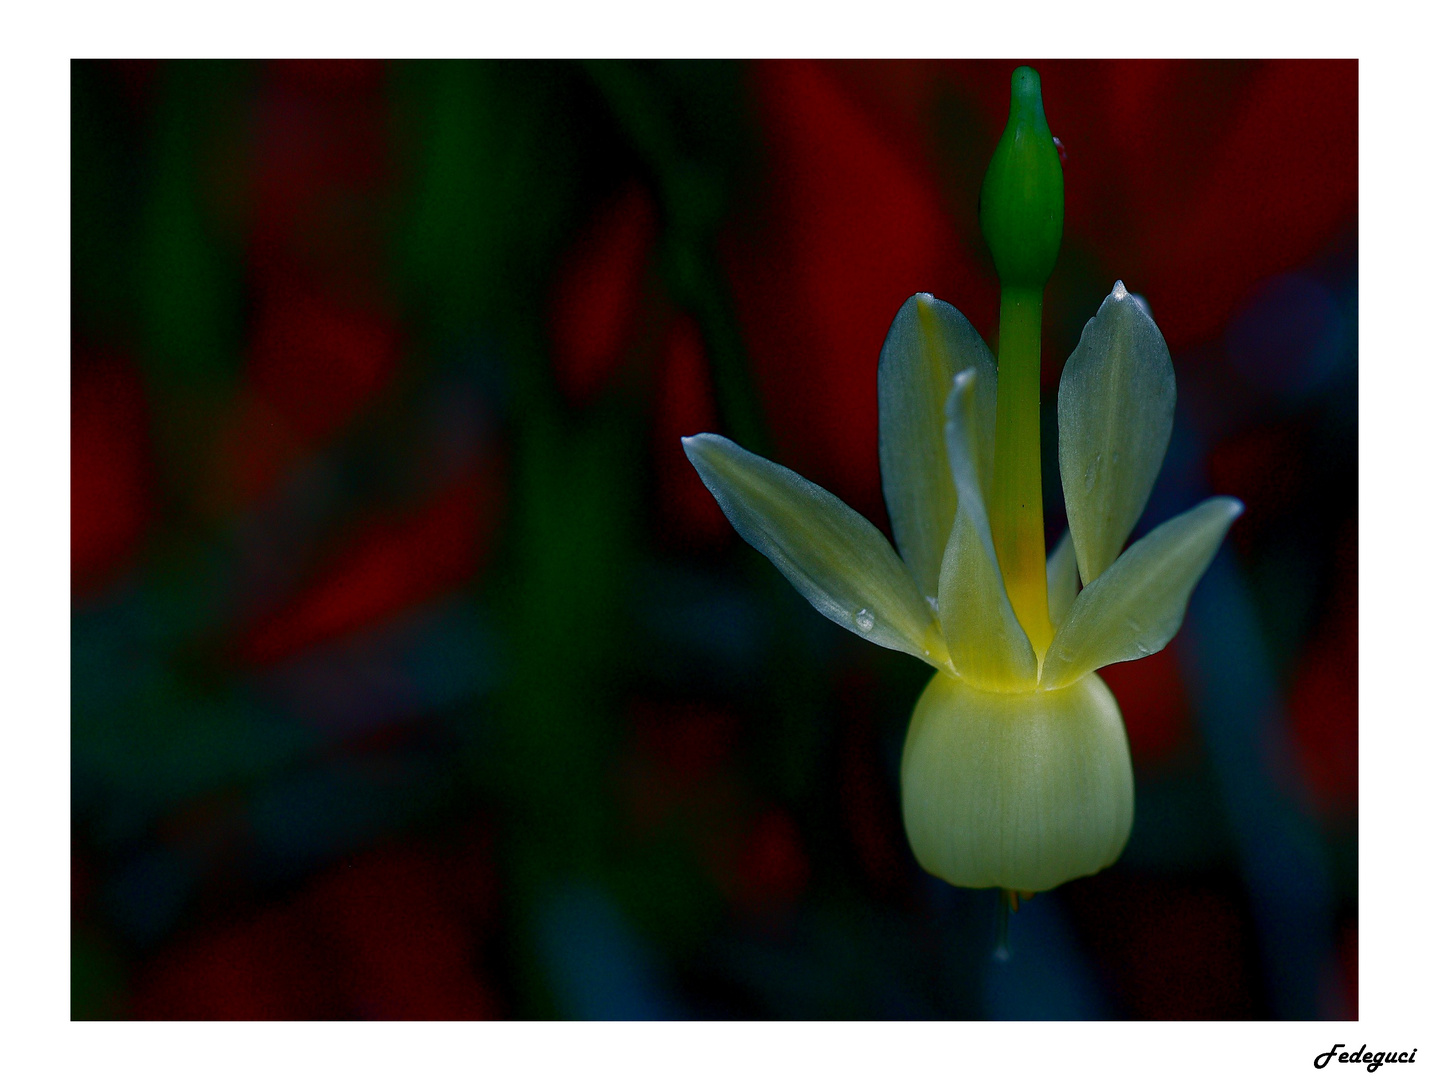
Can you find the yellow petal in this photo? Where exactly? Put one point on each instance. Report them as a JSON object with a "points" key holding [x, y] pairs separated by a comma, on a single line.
{"points": [[986, 643]]}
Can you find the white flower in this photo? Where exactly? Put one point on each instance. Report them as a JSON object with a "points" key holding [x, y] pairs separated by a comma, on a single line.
{"points": [[1016, 771]]}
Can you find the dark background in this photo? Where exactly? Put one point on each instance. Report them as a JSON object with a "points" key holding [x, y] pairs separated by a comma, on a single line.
{"points": [[416, 675]]}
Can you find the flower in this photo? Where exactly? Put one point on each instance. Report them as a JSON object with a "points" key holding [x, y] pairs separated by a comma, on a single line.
{"points": [[1016, 771]]}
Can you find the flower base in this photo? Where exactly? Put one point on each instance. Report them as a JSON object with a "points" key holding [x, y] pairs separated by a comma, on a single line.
{"points": [[1020, 791]]}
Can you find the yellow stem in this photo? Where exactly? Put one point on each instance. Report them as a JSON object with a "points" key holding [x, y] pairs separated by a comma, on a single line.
{"points": [[1015, 512]]}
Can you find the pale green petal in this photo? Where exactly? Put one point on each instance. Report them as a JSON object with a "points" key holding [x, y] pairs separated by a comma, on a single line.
{"points": [[986, 643], [1114, 411], [1061, 579], [1137, 606], [1022, 791], [928, 343], [835, 557]]}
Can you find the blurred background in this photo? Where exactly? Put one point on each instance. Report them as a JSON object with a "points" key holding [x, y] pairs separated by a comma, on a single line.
{"points": [[415, 675]]}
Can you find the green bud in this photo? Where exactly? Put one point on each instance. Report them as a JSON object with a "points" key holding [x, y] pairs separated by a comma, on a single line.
{"points": [[1021, 203]]}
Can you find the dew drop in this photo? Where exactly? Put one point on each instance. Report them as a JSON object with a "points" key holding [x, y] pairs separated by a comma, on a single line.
{"points": [[864, 618], [1118, 291]]}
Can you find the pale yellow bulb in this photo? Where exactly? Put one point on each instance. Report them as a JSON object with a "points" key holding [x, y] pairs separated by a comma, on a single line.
{"points": [[1018, 790]]}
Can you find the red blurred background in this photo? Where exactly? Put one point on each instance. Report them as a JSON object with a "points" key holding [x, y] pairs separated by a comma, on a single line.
{"points": [[416, 674]]}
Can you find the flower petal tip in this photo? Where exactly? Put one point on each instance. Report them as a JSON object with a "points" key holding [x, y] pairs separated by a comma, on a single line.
{"points": [[1234, 508], [1229, 505], [1120, 294]]}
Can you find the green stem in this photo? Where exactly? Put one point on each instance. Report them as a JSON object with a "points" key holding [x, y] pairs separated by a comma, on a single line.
{"points": [[1016, 505]]}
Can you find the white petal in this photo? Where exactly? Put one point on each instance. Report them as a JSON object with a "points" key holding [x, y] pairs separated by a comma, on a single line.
{"points": [[1062, 582], [1137, 606], [835, 557], [928, 343], [1114, 411], [986, 643]]}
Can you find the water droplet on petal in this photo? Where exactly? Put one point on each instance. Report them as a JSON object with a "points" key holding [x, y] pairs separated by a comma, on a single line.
{"points": [[1118, 291], [864, 618]]}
